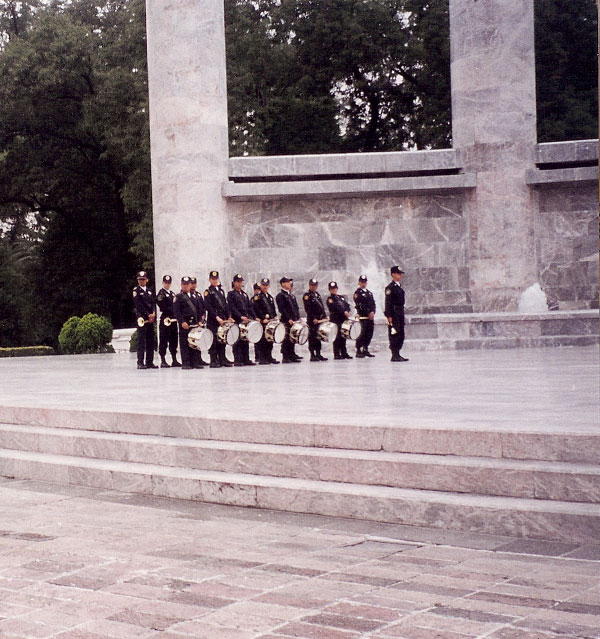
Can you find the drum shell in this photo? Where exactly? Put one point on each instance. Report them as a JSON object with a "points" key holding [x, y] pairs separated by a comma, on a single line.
{"points": [[275, 331], [228, 334], [327, 332], [251, 331], [351, 329], [299, 333], [200, 338]]}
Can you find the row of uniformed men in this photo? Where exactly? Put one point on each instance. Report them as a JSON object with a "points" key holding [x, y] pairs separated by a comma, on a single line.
{"points": [[189, 308]]}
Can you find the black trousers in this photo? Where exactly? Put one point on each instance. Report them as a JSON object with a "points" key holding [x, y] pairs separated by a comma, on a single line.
{"points": [[145, 344], [287, 346], [264, 349], [241, 351], [396, 334], [339, 343], [366, 335], [188, 355], [314, 343], [167, 338]]}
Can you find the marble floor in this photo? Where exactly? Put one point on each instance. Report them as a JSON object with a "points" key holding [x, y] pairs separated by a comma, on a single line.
{"points": [[86, 563], [517, 389]]}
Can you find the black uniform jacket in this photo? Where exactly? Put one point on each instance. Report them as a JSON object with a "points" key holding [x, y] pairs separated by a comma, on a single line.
{"points": [[185, 309], [216, 306], [143, 300], [313, 305], [337, 306], [394, 302], [165, 300], [364, 301], [288, 307], [240, 305], [200, 306], [264, 306]]}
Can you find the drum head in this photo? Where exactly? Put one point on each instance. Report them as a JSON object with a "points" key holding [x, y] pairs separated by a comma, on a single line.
{"points": [[206, 340], [355, 330], [233, 334], [279, 333], [254, 332], [303, 336]]}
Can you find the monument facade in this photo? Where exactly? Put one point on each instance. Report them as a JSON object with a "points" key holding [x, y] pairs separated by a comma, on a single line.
{"points": [[474, 226]]}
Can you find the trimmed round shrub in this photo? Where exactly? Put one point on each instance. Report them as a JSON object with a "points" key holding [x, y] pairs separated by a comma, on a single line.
{"points": [[89, 334]]}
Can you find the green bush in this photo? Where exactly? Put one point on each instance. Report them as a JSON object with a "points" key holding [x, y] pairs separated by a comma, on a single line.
{"points": [[134, 339], [26, 351], [89, 334]]}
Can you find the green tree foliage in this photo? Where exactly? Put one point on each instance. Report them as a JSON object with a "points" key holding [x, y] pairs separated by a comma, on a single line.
{"points": [[566, 46], [88, 334], [308, 76], [74, 150]]}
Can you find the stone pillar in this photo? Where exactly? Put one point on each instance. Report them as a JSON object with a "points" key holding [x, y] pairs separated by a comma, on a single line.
{"points": [[188, 135], [494, 131]]}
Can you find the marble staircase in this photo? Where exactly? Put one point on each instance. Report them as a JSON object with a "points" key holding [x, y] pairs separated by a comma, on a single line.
{"points": [[531, 484]]}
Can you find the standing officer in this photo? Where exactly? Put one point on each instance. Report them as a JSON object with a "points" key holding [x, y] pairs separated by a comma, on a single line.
{"points": [[394, 312], [365, 307], [241, 311], [217, 311], [143, 301], [298, 357], [315, 313], [200, 314], [264, 308], [289, 313], [167, 335], [339, 310], [186, 313]]}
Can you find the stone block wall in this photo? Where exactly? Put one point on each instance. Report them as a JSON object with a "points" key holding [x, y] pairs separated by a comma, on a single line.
{"points": [[566, 245], [341, 238]]}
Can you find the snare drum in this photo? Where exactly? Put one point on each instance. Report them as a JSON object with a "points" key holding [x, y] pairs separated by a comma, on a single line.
{"points": [[299, 333], [327, 332], [228, 333], [275, 331], [251, 331], [200, 338], [351, 329]]}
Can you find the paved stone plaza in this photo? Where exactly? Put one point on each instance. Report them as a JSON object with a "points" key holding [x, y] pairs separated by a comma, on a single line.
{"points": [[83, 563], [516, 389]]}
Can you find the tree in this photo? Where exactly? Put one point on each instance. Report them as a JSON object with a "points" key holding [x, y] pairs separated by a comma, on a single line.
{"points": [[74, 151]]}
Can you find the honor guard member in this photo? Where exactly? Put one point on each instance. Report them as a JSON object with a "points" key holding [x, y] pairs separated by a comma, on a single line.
{"points": [[264, 308], [241, 311], [315, 314], [217, 311], [394, 313], [200, 313], [288, 314], [298, 357], [143, 300], [365, 307], [256, 291], [339, 310], [186, 313], [167, 328]]}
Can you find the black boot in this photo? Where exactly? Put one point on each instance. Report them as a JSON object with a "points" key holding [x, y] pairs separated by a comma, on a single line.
{"points": [[163, 362], [174, 362], [360, 352], [367, 353], [214, 362]]}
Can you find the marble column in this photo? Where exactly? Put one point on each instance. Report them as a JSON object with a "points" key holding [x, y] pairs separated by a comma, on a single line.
{"points": [[188, 134], [494, 131]]}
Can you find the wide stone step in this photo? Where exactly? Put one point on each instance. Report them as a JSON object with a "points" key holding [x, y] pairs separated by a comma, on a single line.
{"points": [[566, 445], [486, 476], [521, 517]]}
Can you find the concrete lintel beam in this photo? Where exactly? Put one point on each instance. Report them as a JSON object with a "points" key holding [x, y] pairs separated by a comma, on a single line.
{"points": [[342, 164], [567, 152], [579, 175], [321, 189]]}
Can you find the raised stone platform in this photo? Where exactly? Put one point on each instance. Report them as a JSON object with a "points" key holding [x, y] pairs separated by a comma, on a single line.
{"points": [[502, 442]]}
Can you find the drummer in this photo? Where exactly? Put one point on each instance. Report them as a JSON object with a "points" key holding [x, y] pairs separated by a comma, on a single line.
{"points": [[289, 313], [315, 314], [217, 311], [339, 310], [186, 313], [241, 311], [201, 314], [264, 307]]}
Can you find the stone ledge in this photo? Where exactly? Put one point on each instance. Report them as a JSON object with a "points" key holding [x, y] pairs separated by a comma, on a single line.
{"points": [[500, 317], [570, 151], [316, 189], [578, 175], [297, 166]]}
